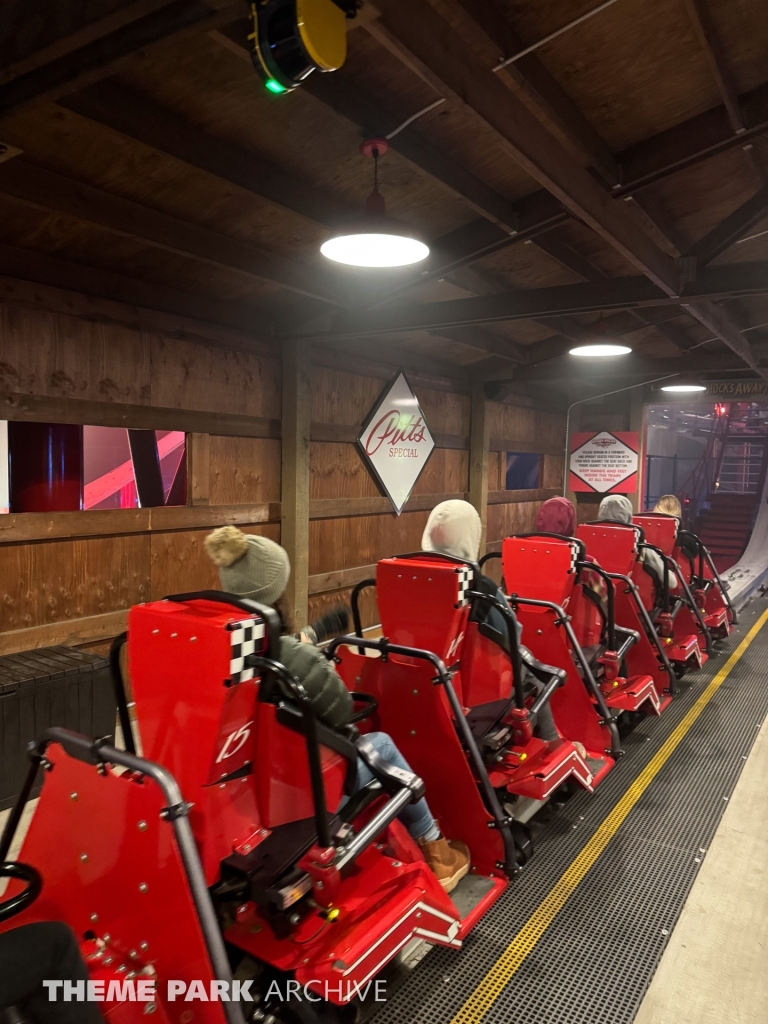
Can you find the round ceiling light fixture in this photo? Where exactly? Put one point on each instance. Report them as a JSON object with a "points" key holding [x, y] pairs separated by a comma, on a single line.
{"points": [[684, 389], [600, 349], [375, 240]]}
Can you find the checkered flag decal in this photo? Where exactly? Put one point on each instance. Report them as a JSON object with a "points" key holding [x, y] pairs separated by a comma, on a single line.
{"points": [[465, 579], [245, 637], [574, 558]]}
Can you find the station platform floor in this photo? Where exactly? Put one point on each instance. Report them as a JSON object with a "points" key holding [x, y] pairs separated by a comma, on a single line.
{"points": [[714, 968], [645, 902]]}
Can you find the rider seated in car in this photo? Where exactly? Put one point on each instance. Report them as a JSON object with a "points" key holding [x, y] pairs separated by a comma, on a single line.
{"points": [[454, 528], [558, 515], [257, 568], [617, 508], [669, 505]]}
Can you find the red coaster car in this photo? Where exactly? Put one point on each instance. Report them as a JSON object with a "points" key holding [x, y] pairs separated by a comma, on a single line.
{"points": [[477, 739], [593, 644], [676, 615], [709, 591], [614, 545], [219, 849]]}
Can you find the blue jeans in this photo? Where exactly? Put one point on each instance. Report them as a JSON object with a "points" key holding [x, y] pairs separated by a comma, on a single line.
{"points": [[417, 817]]}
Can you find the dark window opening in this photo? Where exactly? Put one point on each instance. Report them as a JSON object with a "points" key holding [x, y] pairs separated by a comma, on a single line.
{"points": [[523, 471]]}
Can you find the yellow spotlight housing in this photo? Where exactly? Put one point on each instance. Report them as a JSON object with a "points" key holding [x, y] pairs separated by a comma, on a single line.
{"points": [[293, 38]]}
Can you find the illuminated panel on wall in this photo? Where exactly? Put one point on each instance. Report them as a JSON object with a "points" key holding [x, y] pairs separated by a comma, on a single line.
{"points": [[4, 498]]}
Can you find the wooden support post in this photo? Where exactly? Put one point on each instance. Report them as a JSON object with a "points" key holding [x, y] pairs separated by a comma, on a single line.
{"points": [[297, 402], [575, 427], [637, 422], [479, 438], [198, 468]]}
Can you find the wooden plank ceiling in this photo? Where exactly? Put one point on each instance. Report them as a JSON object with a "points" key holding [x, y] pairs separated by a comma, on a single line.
{"points": [[618, 172]]}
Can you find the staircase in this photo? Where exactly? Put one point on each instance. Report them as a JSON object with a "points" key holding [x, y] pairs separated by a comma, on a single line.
{"points": [[725, 529], [731, 472]]}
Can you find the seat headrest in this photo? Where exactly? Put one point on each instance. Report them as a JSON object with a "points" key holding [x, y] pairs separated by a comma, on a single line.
{"points": [[540, 567], [660, 530], [613, 546], [422, 601]]}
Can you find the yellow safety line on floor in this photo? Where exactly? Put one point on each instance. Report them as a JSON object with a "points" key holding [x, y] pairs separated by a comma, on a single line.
{"points": [[490, 988]]}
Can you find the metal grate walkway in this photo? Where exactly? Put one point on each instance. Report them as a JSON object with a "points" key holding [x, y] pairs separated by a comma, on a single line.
{"points": [[592, 962]]}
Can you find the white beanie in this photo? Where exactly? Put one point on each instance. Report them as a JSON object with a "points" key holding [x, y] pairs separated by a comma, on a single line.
{"points": [[453, 528]]}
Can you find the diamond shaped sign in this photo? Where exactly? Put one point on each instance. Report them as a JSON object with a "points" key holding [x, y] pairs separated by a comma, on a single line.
{"points": [[395, 441], [604, 462]]}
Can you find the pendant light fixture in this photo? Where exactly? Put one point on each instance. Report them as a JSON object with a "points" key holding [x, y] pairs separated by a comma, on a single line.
{"points": [[600, 348], [374, 239]]}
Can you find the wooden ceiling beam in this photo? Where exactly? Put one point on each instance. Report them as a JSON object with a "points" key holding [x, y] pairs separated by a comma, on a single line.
{"points": [[719, 282], [692, 141], [578, 264], [731, 229], [723, 326], [545, 93], [76, 40], [709, 39], [421, 29], [125, 111], [103, 48], [554, 245], [53, 193], [485, 341], [646, 162], [716, 319], [423, 32]]}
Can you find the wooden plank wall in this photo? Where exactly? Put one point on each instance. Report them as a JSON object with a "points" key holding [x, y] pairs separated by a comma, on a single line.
{"points": [[64, 352], [69, 577]]}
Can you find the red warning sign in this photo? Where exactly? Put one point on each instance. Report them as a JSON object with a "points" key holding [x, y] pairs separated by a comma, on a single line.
{"points": [[604, 462]]}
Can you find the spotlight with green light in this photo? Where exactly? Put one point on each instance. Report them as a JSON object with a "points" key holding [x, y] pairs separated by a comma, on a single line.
{"points": [[274, 86], [293, 38]]}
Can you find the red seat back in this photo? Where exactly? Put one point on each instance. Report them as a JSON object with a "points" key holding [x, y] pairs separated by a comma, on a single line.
{"points": [[614, 547], [422, 604], [661, 531], [542, 568]]}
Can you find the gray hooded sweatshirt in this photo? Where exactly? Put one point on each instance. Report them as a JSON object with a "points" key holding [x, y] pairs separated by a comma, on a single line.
{"points": [[617, 507]]}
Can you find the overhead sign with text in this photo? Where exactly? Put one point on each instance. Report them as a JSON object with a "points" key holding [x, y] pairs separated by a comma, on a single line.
{"points": [[604, 462], [395, 441]]}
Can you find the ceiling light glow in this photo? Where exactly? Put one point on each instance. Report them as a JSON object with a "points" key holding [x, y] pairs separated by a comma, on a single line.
{"points": [[600, 350], [374, 249], [375, 240], [684, 388]]}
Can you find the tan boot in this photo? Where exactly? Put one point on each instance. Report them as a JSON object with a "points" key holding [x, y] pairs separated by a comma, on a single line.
{"points": [[449, 861]]}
